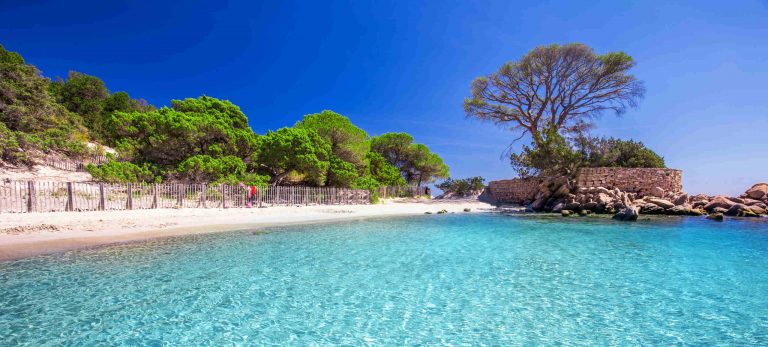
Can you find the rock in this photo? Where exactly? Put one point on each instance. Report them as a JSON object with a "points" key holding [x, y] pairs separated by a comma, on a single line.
{"points": [[661, 203], [699, 204], [604, 198], [699, 197], [681, 200], [718, 217], [740, 210], [684, 210], [442, 212], [650, 208], [720, 210], [618, 206], [758, 191], [427, 212], [539, 203], [757, 209], [573, 206], [562, 191], [601, 190], [559, 207], [628, 214], [657, 192], [718, 201], [566, 213], [589, 206], [584, 212], [737, 200], [467, 209]]}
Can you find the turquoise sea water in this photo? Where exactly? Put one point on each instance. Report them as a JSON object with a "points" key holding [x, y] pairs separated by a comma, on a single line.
{"points": [[426, 280]]}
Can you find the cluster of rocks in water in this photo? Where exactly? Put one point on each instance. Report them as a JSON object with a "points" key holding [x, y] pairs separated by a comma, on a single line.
{"points": [[557, 196]]}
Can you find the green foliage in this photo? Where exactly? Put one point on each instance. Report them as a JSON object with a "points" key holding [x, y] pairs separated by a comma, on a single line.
{"points": [[610, 152], [424, 166], [416, 162], [462, 187], [198, 140], [383, 171], [84, 95], [119, 172], [10, 150], [292, 149], [554, 156], [204, 168], [559, 156], [204, 126], [29, 111], [348, 142], [396, 148], [341, 173]]}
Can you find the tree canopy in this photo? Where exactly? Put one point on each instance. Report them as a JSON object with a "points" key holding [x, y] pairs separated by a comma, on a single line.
{"points": [[202, 139], [558, 87]]}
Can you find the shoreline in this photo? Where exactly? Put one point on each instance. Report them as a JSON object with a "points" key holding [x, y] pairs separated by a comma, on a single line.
{"points": [[27, 235]]}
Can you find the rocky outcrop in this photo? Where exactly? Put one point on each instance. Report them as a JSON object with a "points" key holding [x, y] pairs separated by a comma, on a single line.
{"points": [[758, 191]]}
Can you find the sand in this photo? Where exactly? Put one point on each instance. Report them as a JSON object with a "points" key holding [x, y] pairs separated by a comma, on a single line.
{"points": [[28, 234]]}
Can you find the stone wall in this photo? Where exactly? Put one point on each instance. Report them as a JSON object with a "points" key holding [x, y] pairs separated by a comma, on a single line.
{"points": [[632, 180], [514, 190]]}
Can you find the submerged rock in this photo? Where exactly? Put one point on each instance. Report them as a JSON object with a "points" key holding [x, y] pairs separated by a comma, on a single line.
{"points": [[628, 214], [718, 217]]}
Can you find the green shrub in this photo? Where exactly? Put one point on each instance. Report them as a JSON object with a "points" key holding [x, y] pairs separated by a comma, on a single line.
{"points": [[120, 172], [204, 168]]}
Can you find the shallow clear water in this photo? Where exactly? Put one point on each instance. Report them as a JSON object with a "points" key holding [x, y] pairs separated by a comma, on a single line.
{"points": [[453, 279]]}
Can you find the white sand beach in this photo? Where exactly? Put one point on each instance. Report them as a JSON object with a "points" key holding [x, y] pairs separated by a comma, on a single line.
{"points": [[28, 234]]}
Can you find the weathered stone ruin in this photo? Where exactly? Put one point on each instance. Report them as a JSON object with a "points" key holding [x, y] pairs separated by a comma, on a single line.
{"points": [[625, 192]]}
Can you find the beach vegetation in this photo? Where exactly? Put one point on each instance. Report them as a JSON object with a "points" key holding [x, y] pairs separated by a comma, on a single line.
{"points": [[462, 187], [198, 140]]}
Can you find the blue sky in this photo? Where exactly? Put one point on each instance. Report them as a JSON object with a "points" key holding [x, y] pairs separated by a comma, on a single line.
{"points": [[407, 66]]}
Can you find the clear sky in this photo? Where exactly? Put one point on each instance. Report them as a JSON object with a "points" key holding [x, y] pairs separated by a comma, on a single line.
{"points": [[407, 66]]}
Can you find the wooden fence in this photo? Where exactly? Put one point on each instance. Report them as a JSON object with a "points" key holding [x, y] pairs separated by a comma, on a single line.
{"points": [[74, 165], [401, 192], [36, 196]]}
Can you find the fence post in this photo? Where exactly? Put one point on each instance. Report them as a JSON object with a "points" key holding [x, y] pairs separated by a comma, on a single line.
{"points": [[129, 201], [202, 195], [154, 195], [31, 196], [223, 196], [179, 195], [102, 199], [70, 198]]}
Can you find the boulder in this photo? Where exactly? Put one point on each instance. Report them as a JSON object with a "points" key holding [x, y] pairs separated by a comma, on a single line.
{"points": [[720, 210], [758, 191], [566, 213], [601, 190], [681, 200], [718, 217], [740, 210], [650, 208], [584, 212], [589, 206], [757, 209], [573, 206], [604, 198], [661, 203], [562, 191], [559, 207], [628, 214], [718, 201], [657, 192], [737, 200]]}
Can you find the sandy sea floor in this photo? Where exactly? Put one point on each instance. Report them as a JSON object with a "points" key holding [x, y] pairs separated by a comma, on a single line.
{"points": [[28, 234]]}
